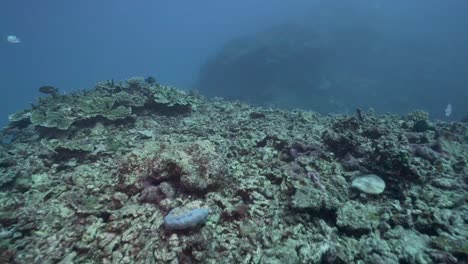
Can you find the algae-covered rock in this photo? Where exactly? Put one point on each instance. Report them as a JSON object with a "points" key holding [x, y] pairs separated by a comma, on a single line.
{"points": [[312, 199], [409, 246], [356, 218], [7, 177], [455, 245], [285, 252], [196, 165]]}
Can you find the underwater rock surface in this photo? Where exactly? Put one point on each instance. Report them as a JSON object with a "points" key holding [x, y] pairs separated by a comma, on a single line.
{"points": [[89, 178]]}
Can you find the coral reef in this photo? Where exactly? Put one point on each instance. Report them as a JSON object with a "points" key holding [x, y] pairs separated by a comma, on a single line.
{"points": [[97, 177]]}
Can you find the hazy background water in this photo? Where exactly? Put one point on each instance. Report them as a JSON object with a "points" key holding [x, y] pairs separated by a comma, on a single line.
{"points": [[421, 50]]}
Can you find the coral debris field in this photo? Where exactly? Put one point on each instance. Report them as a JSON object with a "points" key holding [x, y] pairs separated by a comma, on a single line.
{"points": [[138, 172]]}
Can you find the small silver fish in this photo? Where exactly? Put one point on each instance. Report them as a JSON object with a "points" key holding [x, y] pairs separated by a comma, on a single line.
{"points": [[13, 39], [448, 110]]}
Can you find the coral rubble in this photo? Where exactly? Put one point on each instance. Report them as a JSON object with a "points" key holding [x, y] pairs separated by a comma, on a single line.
{"points": [[89, 177]]}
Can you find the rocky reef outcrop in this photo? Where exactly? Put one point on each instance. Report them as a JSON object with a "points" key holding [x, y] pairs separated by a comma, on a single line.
{"points": [[292, 65]]}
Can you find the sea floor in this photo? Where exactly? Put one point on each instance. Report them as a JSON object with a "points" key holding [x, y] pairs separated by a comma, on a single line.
{"points": [[89, 177]]}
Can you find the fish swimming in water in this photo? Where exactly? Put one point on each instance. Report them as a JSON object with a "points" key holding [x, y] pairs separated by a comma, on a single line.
{"points": [[48, 89], [13, 39], [448, 110]]}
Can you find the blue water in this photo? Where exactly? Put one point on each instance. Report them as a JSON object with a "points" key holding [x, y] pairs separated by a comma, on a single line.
{"points": [[73, 44]]}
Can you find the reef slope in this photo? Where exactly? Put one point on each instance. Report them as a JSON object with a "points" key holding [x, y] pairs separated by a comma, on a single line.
{"points": [[89, 177]]}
